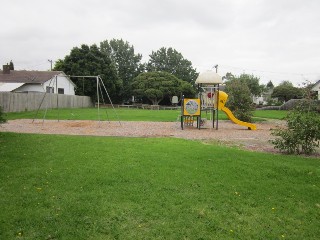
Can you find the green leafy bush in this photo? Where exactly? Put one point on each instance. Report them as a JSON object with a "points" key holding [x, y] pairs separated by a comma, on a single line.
{"points": [[2, 119], [240, 101], [302, 134]]}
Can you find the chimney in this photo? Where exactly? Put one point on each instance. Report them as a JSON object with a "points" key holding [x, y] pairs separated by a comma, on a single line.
{"points": [[6, 69]]}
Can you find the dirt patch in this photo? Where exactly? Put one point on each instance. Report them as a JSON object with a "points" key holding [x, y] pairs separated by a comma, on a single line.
{"points": [[228, 133], [77, 124]]}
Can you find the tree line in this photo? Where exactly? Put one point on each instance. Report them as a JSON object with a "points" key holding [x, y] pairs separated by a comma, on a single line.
{"points": [[167, 72]]}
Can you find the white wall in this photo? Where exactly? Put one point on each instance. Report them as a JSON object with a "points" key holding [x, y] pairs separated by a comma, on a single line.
{"points": [[316, 88], [258, 100], [30, 88], [59, 82], [62, 82]]}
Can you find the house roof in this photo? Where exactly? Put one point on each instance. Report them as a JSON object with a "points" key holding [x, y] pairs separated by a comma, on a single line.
{"points": [[28, 76]]}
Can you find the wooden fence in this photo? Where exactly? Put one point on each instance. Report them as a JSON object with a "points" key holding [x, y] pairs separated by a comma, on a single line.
{"points": [[18, 102]]}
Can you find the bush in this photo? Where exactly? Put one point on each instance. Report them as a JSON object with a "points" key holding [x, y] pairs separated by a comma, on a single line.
{"points": [[302, 134], [240, 101], [2, 119]]}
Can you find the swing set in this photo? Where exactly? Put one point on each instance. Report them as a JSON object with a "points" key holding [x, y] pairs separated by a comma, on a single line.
{"points": [[100, 88]]}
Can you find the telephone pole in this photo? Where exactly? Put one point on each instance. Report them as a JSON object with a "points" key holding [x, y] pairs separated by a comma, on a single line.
{"points": [[216, 67], [50, 61]]}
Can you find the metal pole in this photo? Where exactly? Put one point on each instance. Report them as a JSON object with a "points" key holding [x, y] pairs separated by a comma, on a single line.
{"points": [[182, 110], [98, 98], [45, 93], [110, 100], [51, 106], [199, 118], [50, 61], [104, 103], [83, 86], [217, 108], [216, 67], [57, 98]]}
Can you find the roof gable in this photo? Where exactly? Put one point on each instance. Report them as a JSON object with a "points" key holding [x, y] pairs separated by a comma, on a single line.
{"points": [[28, 76]]}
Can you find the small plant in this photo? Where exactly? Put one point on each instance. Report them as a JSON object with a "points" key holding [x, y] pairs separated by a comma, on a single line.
{"points": [[302, 134], [2, 119]]}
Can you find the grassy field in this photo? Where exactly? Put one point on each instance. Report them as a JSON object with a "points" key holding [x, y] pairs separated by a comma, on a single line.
{"points": [[128, 114], [271, 114], [68, 187]]}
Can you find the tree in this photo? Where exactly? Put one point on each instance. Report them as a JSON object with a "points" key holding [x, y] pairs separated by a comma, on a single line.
{"points": [[127, 63], [270, 85], [239, 100], [250, 80], [171, 61], [90, 61], [159, 85], [286, 91]]}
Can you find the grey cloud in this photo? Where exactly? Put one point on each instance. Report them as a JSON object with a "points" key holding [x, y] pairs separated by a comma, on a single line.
{"points": [[280, 35]]}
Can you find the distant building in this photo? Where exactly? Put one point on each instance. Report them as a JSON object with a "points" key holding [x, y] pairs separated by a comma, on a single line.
{"points": [[316, 88], [35, 81], [264, 98]]}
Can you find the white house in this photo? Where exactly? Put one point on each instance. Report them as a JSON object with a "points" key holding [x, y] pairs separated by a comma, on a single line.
{"points": [[263, 98], [35, 81], [316, 88]]}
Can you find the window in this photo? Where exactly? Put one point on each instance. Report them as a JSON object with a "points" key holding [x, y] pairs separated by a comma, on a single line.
{"points": [[60, 90], [49, 89]]}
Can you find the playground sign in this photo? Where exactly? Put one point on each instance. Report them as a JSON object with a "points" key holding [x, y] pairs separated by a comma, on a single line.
{"points": [[191, 107], [190, 110]]}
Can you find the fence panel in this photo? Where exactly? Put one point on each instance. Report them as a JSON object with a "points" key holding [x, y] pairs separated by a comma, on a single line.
{"points": [[18, 102]]}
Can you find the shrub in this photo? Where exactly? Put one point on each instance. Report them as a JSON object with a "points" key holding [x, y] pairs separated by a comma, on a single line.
{"points": [[2, 119], [302, 134], [240, 101]]}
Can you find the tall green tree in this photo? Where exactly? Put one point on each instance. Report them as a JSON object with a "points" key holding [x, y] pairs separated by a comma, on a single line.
{"points": [[171, 61], [286, 91], [156, 86], [250, 80], [90, 61], [126, 61]]}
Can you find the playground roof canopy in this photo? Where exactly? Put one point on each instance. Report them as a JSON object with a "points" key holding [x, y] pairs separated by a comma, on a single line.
{"points": [[209, 77]]}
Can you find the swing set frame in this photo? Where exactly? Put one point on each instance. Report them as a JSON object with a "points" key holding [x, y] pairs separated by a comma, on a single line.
{"points": [[100, 86]]}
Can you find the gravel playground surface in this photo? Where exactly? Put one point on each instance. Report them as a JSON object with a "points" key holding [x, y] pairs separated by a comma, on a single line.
{"points": [[228, 132]]}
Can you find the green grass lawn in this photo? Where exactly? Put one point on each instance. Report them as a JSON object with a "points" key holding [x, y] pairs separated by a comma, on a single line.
{"points": [[271, 114], [128, 114], [71, 187]]}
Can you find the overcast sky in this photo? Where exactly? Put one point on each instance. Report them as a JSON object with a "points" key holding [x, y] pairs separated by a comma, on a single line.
{"points": [[273, 39]]}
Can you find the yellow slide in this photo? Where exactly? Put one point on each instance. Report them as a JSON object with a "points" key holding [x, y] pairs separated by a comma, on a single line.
{"points": [[237, 121], [222, 101]]}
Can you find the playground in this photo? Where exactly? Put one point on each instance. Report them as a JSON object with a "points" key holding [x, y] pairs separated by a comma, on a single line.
{"points": [[229, 133], [210, 99]]}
